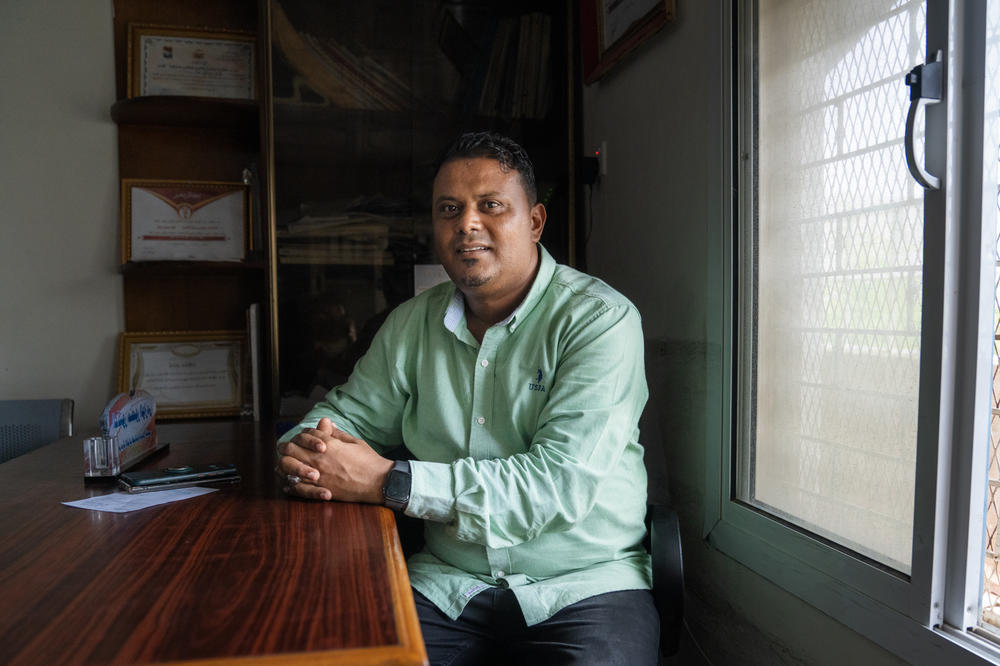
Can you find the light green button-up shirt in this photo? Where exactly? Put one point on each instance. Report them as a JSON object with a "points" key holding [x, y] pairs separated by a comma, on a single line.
{"points": [[528, 470]]}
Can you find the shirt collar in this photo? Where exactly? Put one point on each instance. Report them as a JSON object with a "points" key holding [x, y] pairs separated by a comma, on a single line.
{"points": [[455, 313]]}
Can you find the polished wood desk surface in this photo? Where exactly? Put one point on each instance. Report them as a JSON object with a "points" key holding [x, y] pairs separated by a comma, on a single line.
{"points": [[243, 574]]}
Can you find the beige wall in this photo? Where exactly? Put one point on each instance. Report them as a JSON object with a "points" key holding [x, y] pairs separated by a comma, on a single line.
{"points": [[61, 295], [656, 214]]}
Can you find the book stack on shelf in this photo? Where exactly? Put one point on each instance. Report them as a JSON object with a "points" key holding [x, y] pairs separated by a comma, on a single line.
{"points": [[343, 78], [518, 78]]}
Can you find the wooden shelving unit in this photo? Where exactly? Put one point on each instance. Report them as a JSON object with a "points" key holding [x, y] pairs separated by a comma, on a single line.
{"points": [[190, 139]]}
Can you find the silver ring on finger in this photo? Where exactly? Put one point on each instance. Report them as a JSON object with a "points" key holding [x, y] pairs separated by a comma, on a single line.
{"points": [[292, 479]]}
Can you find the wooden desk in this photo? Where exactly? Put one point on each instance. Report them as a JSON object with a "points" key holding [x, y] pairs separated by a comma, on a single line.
{"points": [[243, 574]]}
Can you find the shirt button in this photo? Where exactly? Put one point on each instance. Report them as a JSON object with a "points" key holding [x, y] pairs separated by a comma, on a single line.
{"points": [[480, 420], [499, 574], [484, 363]]}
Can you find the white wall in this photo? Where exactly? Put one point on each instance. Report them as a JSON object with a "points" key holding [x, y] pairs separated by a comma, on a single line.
{"points": [[60, 290], [655, 213]]}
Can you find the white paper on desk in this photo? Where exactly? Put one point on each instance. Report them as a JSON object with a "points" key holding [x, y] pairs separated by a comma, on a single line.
{"points": [[122, 502]]}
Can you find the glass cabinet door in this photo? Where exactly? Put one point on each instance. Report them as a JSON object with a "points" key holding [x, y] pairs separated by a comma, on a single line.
{"points": [[363, 98]]}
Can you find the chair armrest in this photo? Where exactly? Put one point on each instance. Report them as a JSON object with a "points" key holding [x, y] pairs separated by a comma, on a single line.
{"points": [[668, 574]]}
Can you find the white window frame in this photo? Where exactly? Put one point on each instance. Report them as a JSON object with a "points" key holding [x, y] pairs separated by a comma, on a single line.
{"points": [[925, 618]]}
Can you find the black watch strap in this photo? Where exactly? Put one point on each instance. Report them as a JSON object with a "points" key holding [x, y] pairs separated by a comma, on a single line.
{"points": [[396, 491]]}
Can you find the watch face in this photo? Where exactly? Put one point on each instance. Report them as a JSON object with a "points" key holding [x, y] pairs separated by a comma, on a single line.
{"points": [[397, 486]]}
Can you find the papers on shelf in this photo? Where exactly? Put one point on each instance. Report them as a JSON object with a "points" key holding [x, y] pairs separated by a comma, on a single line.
{"points": [[426, 276], [348, 238]]}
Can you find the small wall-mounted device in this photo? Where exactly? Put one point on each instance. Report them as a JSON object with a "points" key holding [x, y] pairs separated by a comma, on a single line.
{"points": [[588, 169], [591, 167]]}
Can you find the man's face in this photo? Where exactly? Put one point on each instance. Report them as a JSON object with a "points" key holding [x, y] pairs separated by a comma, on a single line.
{"points": [[485, 228]]}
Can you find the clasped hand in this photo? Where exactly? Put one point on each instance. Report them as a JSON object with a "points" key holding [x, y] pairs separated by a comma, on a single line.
{"points": [[332, 464]]}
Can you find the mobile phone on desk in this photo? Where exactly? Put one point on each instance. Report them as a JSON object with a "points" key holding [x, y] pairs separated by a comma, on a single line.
{"points": [[179, 477]]}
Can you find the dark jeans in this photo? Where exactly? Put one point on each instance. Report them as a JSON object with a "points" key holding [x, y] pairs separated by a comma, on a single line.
{"points": [[614, 628]]}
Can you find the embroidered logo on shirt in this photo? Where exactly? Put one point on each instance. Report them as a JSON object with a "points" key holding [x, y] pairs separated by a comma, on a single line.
{"points": [[537, 384]]}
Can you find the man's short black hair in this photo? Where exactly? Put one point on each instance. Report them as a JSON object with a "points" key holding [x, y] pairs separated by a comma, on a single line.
{"points": [[497, 147]]}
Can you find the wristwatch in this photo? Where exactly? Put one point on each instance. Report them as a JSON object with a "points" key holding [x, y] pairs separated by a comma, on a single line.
{"points": [[396, 491]]}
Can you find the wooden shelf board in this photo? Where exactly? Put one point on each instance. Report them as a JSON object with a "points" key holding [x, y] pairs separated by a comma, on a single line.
{"points": [[177, 111]]}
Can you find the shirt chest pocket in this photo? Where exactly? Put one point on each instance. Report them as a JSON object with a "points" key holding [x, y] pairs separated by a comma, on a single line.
{"points": [[523, 392]]}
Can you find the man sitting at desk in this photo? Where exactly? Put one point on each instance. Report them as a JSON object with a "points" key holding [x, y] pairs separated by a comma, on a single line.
{"points": [[517, 387]]}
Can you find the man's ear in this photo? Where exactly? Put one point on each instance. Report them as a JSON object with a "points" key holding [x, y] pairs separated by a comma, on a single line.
{"points": [[537, 221]]}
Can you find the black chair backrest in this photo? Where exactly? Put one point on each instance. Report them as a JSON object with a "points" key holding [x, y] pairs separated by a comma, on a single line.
{"points": [[28, 424], [668, 574]]}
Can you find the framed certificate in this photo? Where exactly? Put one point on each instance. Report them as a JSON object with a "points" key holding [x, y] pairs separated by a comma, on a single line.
{"points": [[611, 29], [195, 63], [189, 374], [184, 221]]}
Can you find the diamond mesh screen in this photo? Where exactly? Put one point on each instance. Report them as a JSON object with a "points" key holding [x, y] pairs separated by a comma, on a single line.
{"points": [[839, 251], [991, 571]]}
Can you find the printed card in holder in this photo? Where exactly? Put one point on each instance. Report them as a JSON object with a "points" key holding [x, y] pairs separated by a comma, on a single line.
{"points": [[130, 418]]}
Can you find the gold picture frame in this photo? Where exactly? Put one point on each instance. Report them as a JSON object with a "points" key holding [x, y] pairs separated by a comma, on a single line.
{"points": [[609, 31], [190, 374], [165, 60], [177, 220]]}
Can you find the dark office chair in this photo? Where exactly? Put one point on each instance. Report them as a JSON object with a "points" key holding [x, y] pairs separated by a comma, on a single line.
{"points": [[28, 424], [668, 574]]}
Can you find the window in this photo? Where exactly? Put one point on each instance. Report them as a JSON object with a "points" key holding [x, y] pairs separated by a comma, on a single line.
{"points": [[835, 258], [858, 317]]}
